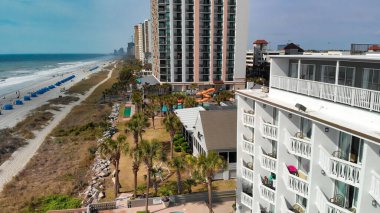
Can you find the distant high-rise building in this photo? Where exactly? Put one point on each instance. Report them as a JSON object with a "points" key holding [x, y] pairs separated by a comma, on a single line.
{"points": [[194, 42], [143, 41], [139, 42], [131, 49]]}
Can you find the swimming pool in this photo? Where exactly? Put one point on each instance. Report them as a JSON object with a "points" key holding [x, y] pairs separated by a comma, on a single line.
{"points": [[127, 112]]}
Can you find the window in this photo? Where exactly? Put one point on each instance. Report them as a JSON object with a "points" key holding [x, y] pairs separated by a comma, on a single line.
{"points": [[301, 201], [328, 74], [224, 155], [346, 76], [232, 157], [350, 148], [371, 79], [308, 72], [306, 127], [293, 71], [275, 116], [348, 192]]}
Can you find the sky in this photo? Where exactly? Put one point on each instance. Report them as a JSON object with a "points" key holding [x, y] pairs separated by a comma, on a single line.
{"points": [[99, 26]]}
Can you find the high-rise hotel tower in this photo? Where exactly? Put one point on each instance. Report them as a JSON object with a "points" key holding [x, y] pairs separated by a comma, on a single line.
{"points": [[200, 41]]}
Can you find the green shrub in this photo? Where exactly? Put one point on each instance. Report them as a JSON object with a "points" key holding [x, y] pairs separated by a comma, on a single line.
{"points": [[142, 211], [141, 188], [177, 148], [168, 189], [181, 140], [177, 136], [54, 202]]}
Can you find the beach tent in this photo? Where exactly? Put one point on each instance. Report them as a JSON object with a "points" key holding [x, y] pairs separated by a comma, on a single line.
{"points": [[34, 95], [27, 98], [7, 107], [18, 102]]}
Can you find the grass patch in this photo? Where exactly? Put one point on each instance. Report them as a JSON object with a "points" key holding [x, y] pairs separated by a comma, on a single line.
{"points": [[65, 100], [53, 202], [9, 142], [61, 165], [85, 85]]}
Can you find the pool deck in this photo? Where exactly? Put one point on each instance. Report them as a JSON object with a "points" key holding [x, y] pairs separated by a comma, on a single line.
{"points": [[193, 207]]}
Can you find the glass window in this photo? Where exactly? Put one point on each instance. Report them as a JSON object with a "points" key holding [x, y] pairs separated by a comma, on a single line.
{"points": [[371, 79], [328, 74], [293, 71], [275, 116], [224, 155], [308, 72], [301, 201], [346, 76], [306, 127], [232, 157]]}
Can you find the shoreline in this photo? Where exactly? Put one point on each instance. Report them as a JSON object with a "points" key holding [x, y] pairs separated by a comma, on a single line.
{"points": [[20, 158], [9, 119]]}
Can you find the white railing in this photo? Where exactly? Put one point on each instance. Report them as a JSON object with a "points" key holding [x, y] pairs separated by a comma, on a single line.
{"points": [[324, 205], [296, 184], [249, 120], [284, 206], [375, 186], [268, 162], [299, 147], [246, 200], [269, 131], [247, 173], [358, 97], [248, 146], [268, 194], [339, 169]]}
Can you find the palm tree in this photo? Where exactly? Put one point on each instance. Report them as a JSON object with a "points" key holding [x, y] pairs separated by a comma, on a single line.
{"points": [[151, 151], [207, 166], [179, 164], [189, 102], [172, 125], [136, 156], [170, 101], [113, 150], [137, 99], [138, 123], [156, 172]]}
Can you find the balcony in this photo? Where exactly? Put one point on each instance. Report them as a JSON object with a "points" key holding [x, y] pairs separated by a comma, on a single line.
{"points": [[268, 162], [269, 130], [375, 187], [296, 184], [249, 118], [362, 98], [246, 200], [299, 146], [339, 169], [247, 172], [248, 146], [267, 194], [295, 208], [325, 205]]}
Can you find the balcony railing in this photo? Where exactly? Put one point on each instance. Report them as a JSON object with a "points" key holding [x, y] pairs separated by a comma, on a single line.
{"points": [[269, 131], [339, 169], [246, 200], [267, 162], [248, 145], [296, 184], [375, 187], [299, 147], [267, 194], [247, 173], [248, 119], [363, 98], [324, 205]]}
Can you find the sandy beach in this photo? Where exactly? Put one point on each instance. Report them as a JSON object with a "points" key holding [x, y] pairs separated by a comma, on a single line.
{"points": [[21, 157]]}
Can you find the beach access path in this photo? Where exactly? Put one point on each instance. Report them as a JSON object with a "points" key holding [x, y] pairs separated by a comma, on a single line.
{"points": [[21, 157]]}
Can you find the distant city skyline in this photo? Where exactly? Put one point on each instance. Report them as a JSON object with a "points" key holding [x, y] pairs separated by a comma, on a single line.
{"points": [[59, 26]]}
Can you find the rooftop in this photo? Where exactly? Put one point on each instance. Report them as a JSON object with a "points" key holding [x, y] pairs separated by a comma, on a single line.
{"points": [[260, 41], [332, 57], [219, 128], [188, 116], [361, 123]]}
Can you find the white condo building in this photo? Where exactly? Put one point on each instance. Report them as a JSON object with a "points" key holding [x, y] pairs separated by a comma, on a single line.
{"points": [[312, 143]]}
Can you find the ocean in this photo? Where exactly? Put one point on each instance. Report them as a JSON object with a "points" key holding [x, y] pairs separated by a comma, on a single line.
{"points": [[18, 71]]}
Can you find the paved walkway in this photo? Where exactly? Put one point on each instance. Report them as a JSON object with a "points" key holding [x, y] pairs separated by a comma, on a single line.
{"points": [[194, 207], [21, 157]]}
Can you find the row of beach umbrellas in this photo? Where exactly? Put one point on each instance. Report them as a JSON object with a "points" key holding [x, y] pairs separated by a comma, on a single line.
{"points": [[36, 93]]}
